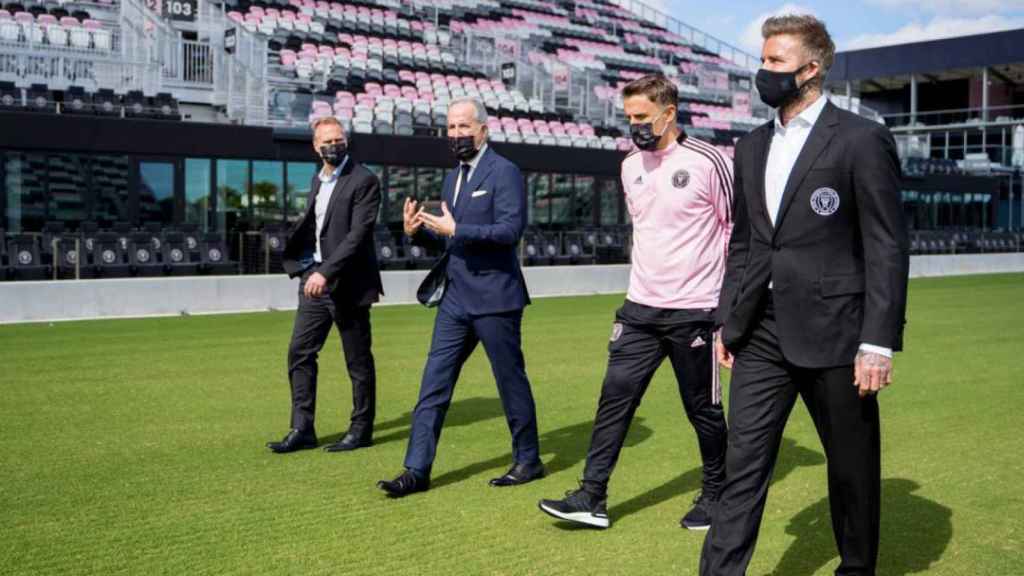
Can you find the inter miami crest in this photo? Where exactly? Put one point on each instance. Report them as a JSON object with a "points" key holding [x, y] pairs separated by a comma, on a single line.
{"points": [[681, 178], [825, 201]]}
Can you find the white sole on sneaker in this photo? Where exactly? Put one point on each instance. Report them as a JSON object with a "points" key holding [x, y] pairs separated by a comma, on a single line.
{"points": [[698, 528], [578, 517]]}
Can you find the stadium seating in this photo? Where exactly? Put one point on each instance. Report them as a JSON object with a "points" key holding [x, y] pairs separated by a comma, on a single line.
{"points": [[930, 166], [389, 257], [390, 67], [145, 254], [25, 262], [214, 256], [179, 258], [76, 100], [273, 239], [392, 71], [109, 256], [964, 242]]}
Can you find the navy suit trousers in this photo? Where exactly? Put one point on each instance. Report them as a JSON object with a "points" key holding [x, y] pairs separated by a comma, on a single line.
{"points": [[456, 334]]}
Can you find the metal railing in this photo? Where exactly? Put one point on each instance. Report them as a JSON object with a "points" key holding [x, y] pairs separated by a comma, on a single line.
{"points": [[191, 63], [692, 35], [67, 265], [59, 70], [978, 117]]}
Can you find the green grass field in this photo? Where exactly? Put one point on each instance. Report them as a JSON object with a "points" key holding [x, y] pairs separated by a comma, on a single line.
{"points": [[137, 447]]}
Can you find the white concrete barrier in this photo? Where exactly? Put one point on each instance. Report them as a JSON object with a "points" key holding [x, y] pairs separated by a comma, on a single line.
{"points": [[139, 297]]}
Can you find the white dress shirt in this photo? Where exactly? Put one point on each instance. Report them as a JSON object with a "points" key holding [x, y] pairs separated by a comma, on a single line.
{"points": [[472, 168], [787, 142], [323, 200]]}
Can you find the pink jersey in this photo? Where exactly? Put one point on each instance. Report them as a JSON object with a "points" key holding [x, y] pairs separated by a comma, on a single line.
{"points": [[680, 200]]}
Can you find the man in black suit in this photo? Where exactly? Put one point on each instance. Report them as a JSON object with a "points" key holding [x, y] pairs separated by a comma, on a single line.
{"points": [[331, 249], [813, 300], [482, 219]]}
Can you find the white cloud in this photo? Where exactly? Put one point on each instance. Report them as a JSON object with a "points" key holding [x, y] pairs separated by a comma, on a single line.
{"points": [[937, 27], [750, 39]]}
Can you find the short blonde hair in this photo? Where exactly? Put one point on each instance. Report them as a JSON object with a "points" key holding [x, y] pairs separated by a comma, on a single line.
{"points": [[327, 121]]}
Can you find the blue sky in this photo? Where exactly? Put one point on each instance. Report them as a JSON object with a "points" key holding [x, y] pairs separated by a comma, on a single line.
{"points": [[853, 23]]}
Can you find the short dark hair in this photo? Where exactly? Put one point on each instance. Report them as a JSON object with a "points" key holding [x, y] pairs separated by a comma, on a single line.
{"points": [[812, 34], [656, 87]]}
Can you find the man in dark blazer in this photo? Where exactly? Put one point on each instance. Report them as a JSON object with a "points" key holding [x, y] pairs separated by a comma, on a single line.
{"points": [[813, 300], [331, 250], [482, 219]]}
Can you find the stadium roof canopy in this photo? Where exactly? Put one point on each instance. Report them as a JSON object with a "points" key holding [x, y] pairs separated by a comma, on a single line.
{"points": [[890, 67]]}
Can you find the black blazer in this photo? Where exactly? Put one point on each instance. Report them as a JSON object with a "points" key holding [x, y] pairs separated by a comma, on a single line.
{"points": [[838, 255], [483, 256], [346, 240]]}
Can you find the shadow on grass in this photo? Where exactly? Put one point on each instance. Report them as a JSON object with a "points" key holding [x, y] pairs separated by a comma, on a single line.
{"points": [[791, 457], [461, 413], [568, 445], [915, 532]]}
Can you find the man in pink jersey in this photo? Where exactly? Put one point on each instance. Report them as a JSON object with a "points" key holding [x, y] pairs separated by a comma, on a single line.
{"points": [[679, 194]]}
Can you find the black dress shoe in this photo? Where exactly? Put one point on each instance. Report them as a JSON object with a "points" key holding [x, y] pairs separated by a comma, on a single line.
{"points": [[406, 483], [293, 441], [520, 474], [350, 441]]}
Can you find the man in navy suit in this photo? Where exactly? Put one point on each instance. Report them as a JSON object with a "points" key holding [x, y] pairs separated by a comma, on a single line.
{"points": [[483, 214]]}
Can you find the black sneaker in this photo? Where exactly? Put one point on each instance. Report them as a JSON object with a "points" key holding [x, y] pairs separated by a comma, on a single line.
{"points": [[699, 517], [578, 506]]}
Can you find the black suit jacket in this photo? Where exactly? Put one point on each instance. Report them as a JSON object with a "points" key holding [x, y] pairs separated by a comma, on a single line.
{"points": [[346, 239], [838, 254]]}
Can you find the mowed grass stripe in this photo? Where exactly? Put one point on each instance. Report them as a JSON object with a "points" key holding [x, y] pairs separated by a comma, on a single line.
{"points": [[138, 448]]}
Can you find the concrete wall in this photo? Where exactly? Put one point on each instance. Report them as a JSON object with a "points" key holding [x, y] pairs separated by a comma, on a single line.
{"points": [[133, 297]]}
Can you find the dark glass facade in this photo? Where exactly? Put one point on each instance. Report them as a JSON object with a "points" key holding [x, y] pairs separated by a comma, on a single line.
{"points": [[223, 195]]}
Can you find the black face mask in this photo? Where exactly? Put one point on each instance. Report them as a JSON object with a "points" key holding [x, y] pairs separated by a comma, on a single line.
{"points": [[334, 154], [462, 147], [778, 88], [644, 137]]}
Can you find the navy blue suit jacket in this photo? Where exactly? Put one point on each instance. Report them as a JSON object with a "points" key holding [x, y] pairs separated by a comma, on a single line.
{"points": [[490, 216]]}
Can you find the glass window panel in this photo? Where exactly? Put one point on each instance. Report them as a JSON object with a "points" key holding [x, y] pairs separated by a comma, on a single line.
{"points": [[379, 170], [429, 182], [300, 174], [232, 192], [583, 202], [197, 191], [401, 184], [156, 192], [267, 191], [611, 201], [538, 187], [561, 199], [110, 189], [25, 192], [69, 188]]}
